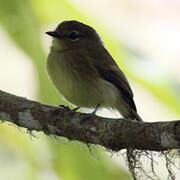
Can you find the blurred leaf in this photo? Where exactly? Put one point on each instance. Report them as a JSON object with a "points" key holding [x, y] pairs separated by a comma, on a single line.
{"points": [[83, 164], [55, 11], [18, 143], [150, 75], [18, 18]]}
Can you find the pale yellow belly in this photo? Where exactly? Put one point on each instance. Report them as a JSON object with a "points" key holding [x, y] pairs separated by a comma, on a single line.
{"points": [[82, 93]]}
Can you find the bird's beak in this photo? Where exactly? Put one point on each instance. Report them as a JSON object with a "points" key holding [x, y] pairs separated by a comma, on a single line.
{"points": [[53, 34]]}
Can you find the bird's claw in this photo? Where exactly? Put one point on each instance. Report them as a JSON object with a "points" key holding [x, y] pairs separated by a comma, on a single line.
{"points": [[91, 115]]}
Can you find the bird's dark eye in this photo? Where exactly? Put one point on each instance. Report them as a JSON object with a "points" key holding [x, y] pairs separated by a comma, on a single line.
{"points": [[73, 35]]}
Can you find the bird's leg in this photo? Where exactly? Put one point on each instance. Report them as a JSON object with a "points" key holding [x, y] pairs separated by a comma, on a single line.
{"points": [[95, 110], [75, 109], [87, 116], [67, 108]]}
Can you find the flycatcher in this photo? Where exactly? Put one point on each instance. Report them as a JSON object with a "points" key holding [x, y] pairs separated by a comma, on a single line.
{"points": [[85, 73]]}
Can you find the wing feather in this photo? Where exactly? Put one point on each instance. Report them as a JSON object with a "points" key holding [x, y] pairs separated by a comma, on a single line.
{"points": [[109, 70]]}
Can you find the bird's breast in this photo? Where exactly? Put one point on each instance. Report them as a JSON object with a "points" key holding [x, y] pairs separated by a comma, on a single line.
{"points": [[81, 89]]}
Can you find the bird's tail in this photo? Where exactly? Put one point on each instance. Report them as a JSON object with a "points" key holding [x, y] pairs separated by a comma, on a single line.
{"points": [[129, 113], [134, 115]]}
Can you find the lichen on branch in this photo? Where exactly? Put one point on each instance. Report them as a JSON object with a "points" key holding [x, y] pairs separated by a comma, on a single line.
{"points": [[114, 134]]}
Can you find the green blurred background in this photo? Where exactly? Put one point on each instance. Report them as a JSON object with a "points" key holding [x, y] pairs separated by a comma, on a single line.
{"points": [[128, 30]]}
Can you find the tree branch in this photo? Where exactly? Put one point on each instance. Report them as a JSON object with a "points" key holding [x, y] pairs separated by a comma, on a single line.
{"points": [[114, 134]]}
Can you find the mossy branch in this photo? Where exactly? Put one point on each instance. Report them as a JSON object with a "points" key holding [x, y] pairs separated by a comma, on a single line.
{"points": [[114, 134]]}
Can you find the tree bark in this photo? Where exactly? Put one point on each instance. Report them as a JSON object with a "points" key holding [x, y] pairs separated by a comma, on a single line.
{"points": [[114, 134]]}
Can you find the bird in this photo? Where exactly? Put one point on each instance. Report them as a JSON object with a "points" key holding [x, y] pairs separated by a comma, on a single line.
{"points": [[84, 73]]}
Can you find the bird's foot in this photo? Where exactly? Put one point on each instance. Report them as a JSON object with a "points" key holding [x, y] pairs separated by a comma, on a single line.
{"points": [[91, 115], [67, 108], [75, 109], [95, 110]]}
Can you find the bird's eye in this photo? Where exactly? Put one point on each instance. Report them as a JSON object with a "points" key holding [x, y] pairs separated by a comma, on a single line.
{"points": [[73, 35]]}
